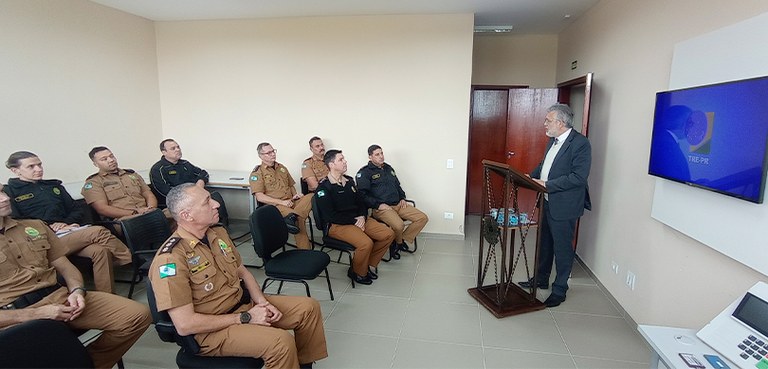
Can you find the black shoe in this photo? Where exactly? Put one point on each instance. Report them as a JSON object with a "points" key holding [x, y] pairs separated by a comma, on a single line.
{"points": [[403, 247], [358, 279], [554, 300], [291, 220], [305, 366], [372, 275], [394, 251], [527, 284]]}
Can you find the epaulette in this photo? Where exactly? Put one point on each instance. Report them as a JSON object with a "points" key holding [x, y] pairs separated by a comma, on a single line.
{"points": [[168, 245], [322, 180], [256, 168], [129, 170], [92, 175], [307, 159], [51, 182]]}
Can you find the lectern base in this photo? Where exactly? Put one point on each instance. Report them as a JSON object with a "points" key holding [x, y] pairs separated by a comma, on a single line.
{"points": [[517, 301]]}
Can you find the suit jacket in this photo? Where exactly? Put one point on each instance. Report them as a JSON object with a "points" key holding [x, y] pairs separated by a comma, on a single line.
{"points": [[567, 183]]}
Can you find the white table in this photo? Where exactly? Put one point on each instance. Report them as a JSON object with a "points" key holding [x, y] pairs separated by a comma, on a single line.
{"points": [[667, 342]]}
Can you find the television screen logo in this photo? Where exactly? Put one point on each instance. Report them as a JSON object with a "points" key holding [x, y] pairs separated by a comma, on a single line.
{"points": [[698, 131]]}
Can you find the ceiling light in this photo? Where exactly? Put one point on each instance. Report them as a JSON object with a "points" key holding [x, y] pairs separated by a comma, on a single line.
{"points": [[493, 29]]}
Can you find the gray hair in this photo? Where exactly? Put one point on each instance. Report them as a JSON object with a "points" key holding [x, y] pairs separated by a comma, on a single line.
{"points": [[563, 114], [178, 199]]}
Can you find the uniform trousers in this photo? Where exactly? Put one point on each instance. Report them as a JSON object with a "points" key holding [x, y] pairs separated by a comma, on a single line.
{"points": [[275, 345], [394, 216], [556, 243], [370, 245], [122, 321], [104, 249], [301, 208]]}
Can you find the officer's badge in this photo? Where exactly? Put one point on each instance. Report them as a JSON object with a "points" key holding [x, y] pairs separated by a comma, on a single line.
{"points": [[56, 191], [167, 270], [194, 260], [376, 176], [321, 193], [282, 169], [254, 178], [88, 186], [208, 287], [32, 232], [200, 268], [172, 172], [132, 176]]}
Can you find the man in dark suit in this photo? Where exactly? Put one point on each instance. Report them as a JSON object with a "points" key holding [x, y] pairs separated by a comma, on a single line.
{"points": [[564, 172]]}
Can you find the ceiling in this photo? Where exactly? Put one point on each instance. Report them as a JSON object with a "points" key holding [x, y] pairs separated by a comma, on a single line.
{"points": [[526, 16]]}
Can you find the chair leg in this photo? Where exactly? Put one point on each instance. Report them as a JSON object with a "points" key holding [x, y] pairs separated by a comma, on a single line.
{"points": [[306, 286], [415, 246], [328, 279], [133, 283], [120, 364], [280, 287]]}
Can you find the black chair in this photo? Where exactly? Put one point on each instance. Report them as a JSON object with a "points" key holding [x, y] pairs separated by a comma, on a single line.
{"points": [[269, 234], [415, 241], [305, 191], [42, 344], [144, 234], [187, 356], [328, 241]]}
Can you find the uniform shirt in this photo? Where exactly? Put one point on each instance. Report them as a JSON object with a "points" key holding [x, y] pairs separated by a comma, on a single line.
{"points": [[185, 270], [123, 189], [165, 175], [312, 167], [340, 204], [379, 185], [26, 249], [273, 181], [46, 199]]}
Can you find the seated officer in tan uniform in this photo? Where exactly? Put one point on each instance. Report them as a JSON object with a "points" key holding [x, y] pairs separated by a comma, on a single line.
{"points": [[30, 257], [196, 276], [313, 169], [113, 192], [346, 212], [36, 198], [272, 184]]}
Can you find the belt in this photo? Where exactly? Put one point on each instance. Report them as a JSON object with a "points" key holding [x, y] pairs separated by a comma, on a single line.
{"points": [[31, 298]]}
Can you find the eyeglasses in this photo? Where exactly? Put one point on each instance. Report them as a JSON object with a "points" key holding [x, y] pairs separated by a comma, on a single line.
{"points": [[550, 121], [269, 152]]}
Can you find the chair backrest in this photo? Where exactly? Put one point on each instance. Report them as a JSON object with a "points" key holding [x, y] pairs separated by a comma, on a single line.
{"points": [[145, 233], [268, 230], [304, 187], [164, 325], [42, 344], [317, 214]]}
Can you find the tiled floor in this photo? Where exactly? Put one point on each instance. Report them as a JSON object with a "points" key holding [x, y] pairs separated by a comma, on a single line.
{"points": [[419, 315]]}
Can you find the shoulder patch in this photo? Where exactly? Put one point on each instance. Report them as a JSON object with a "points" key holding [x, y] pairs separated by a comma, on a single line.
{"points": [[304, 166], [254, 178], [167, 270], [56, 191], [88, 186], [359, 174], [168, 245], [321, 193]]}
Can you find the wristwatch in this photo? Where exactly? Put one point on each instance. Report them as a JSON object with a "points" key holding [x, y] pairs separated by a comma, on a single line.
{"points": [[245, 317]]}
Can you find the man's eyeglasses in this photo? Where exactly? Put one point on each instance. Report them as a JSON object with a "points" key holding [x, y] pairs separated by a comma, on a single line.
{"points": [[269, 152]]}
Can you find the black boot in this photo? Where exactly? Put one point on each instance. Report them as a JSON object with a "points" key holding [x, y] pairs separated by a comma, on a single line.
{"points": [[291, 220]]}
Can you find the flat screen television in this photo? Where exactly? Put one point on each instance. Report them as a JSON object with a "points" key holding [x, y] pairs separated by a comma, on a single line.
{"points": [[713, 137]]}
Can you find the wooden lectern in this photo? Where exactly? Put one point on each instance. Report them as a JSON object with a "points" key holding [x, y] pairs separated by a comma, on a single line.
{"points": [[503, 297]]}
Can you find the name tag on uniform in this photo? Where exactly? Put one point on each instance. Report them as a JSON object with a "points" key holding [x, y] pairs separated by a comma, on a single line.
{"points": [[376, 176]]}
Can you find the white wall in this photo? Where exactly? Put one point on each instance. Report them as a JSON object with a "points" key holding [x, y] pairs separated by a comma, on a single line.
{"points": [[399, 81], [76, 75], [514, 60], [629, 45]]}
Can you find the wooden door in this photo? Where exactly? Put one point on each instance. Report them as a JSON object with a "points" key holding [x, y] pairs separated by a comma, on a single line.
{"points": [[526, 139], [487, 135]]}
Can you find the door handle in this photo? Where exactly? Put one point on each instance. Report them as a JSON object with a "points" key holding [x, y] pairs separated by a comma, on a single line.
{"points": [[510, 154]]}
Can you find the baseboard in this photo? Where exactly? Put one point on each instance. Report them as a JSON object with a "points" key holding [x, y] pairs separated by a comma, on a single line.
{"points": [[615, 302], [442, 236]]}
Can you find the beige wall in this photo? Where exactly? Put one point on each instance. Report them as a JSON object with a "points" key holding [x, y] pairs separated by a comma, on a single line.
{"points": [[514, 60], [399, 81], [629, 47], [75, 75]]}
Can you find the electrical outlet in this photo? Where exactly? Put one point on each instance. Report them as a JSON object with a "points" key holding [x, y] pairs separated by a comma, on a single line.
{"points": [[449, 164], [615, 267], [631, 280], [448, 216]]}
